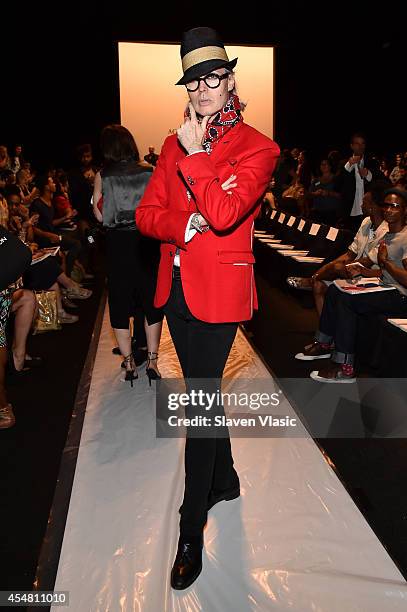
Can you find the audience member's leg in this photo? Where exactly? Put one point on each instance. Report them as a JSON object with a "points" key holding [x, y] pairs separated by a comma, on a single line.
{"points": [[6, 412], [63, 316], [3, 364], [24, 307], [72, 249], [319, 289], [328, 319]]}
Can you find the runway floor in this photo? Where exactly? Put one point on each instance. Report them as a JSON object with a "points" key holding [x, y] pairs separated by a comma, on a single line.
{"points": [[293, 541]]}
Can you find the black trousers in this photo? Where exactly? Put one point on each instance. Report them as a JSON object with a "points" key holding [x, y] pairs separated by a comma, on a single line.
{"points": [[339, 317], [202, 349]]}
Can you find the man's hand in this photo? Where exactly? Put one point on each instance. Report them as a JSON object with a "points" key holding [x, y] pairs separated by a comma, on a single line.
{"points": [[191, 132], [363, 172], [382, 254], [354, 159]]}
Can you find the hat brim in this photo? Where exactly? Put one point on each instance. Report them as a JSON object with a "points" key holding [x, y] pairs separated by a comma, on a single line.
{"points": [[205, 68]]}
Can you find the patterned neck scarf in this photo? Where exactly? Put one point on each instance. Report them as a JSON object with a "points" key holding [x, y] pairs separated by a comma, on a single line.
{"points": [[223, 121]]}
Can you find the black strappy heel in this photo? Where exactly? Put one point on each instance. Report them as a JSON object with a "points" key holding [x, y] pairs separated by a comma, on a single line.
{"points": [[132, 373], [151, 373]]}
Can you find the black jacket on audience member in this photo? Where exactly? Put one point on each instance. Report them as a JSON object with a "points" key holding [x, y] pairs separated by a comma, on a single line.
{"points": [[347, 182]]}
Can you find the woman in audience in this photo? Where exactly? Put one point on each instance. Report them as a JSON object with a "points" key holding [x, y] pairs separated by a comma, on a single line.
{"points": [[46, 274], [325, 198], [132, 259], [61, 201], [395, 173], [28, 193]]}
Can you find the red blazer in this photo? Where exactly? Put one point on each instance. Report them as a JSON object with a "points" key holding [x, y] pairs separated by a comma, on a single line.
{"points": [[217, 266]]}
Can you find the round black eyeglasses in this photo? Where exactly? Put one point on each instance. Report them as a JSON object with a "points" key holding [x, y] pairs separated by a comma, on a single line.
{"points": [[211, 80]]}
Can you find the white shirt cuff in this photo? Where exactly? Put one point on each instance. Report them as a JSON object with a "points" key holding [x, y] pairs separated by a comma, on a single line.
{"points": [[348, 167], [193, 152], [369, 176], [189, 231]]}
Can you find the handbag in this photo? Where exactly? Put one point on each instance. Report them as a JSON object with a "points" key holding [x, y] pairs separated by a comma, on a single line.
{"points": [[15, 257], [47, 319]]}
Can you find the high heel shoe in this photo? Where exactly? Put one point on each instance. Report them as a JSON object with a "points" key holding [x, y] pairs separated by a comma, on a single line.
{"points": [[151, 373], [131, 374]]}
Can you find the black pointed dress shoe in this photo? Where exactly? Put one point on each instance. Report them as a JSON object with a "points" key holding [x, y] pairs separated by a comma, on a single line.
{"points": [[216, 496], [188, 562]]}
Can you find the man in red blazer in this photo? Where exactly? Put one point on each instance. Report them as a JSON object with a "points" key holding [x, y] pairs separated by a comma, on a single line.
{"points": [[201, 202]]}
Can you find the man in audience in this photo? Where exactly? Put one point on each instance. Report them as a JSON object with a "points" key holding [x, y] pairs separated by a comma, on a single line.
{"points": [[81, 187], [338, 322], [46, 231], [152, 157], [371, 231], [358, 171], [369, 234]]}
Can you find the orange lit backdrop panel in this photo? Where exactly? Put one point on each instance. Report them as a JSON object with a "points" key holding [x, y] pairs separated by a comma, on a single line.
{"points": [[151, 105]]}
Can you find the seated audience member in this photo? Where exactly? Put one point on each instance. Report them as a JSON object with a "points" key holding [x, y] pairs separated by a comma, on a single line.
{"points": [[339, 317], [46, 231], [385, 167], [16, 158], [324, 196], [283, 174], [304, 171], [335, 159], [371, 231], [28, 193], [81, 181], [4, 213], [64, 209], [46, 274], [402, 177], [395, 172], [61, 202], [4, 159], [7, 418], [152, 157], [9, 178], [293, 198]]}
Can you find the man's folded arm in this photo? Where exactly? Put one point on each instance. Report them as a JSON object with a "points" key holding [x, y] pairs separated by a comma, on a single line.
{"points": [[222, 210]]}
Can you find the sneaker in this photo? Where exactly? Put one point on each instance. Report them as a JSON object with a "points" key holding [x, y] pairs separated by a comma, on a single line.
{"points": [[78, 293], [314, 351], [65, 317], [7, 418], [332, 374]]}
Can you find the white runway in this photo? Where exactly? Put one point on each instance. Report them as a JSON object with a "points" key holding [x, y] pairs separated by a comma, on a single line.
{"points": [[294, 541]]}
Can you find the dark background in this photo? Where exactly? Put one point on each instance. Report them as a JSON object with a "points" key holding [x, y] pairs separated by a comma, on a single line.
{"points": [[340, 67]]}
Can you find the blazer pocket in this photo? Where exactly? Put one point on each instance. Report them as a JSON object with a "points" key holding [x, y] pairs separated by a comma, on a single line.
{"points": [[236, 257]]}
